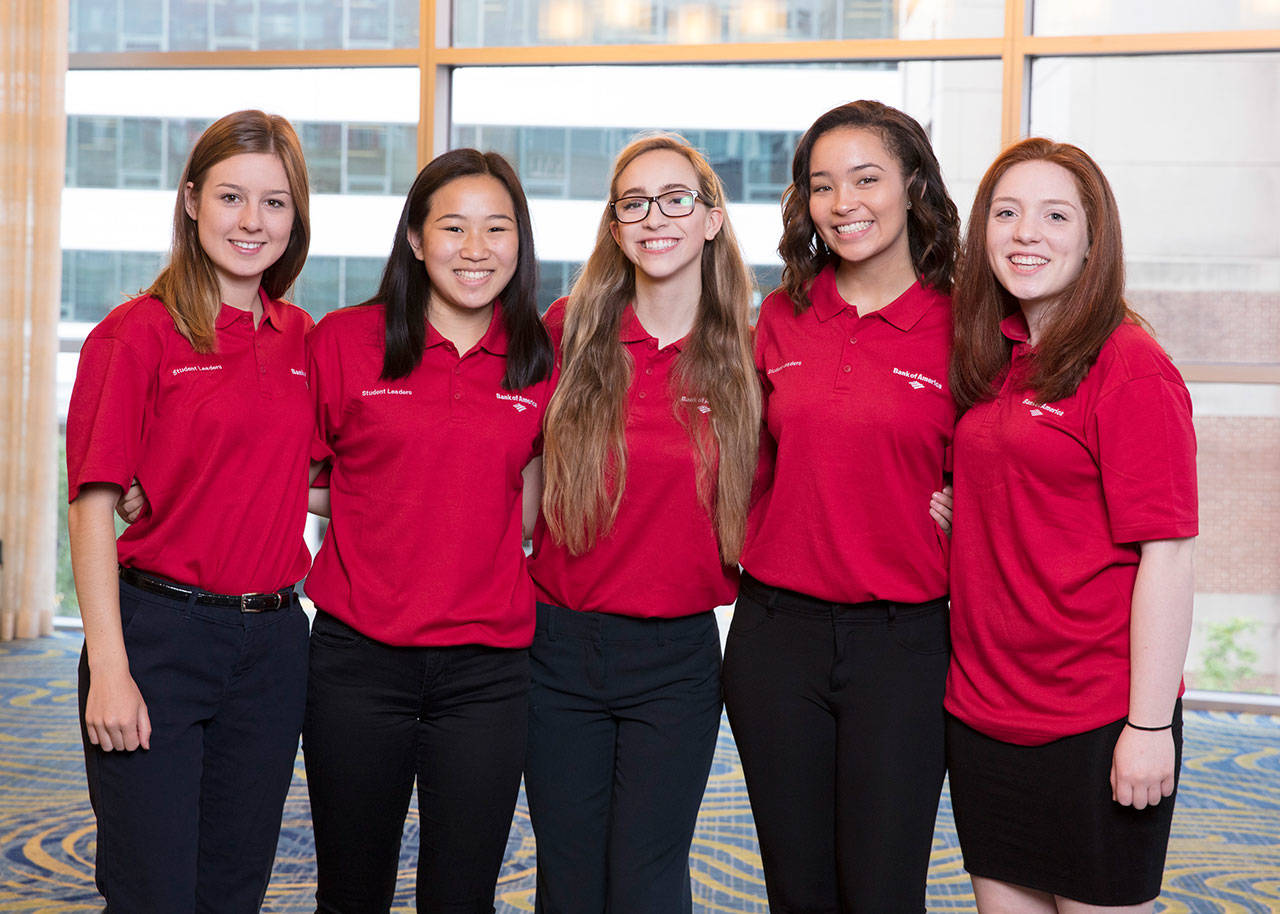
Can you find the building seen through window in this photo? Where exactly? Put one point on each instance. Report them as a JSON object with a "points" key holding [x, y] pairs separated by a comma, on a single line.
{"points": [[1188, 141]]}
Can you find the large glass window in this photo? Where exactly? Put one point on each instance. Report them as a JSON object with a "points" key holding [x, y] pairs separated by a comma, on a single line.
{"points": [[1074, 17], [1193, 193], [562, 127], [241, 25], [128, 136], [1188, 141], [569, 22]]}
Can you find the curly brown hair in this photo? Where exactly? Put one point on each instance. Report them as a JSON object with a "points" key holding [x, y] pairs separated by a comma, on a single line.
{"points": [[933, 223]]}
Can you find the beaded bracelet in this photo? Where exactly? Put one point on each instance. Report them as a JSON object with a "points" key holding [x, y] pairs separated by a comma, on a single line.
{"points": [[1129, 723]]}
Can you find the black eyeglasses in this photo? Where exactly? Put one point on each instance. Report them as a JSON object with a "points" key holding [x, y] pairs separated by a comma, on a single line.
{"points": [[674, 203]]}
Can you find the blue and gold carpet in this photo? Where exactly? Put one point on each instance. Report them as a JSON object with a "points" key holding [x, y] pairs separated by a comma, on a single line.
{"points": [[1224, 855]]}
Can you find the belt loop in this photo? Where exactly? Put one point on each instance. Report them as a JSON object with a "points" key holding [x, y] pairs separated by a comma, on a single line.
{"points": [[550, 613], [191, 602], [662, 632], [892, 611]]}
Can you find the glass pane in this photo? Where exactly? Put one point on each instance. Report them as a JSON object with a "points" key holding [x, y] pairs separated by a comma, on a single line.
{"points": [[496, 23], [129, 133], [1093, 17], [142, 153], [212, 25], [1204, 269], [1236, 634], [1201, 267], [562, 126]]}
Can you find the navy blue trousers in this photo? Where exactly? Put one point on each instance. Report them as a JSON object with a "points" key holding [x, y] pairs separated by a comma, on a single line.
{"points": [[837, 713], [191, 824], [380, 718], [623, 719]]}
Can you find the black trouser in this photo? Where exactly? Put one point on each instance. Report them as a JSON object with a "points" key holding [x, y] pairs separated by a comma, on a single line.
{"points": [[191, 824], [623, 720], [379, 717], [837, 713]]}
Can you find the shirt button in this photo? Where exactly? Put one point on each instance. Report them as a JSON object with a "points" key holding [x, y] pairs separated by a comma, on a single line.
{"points": [[457, 395], [653, 344], [262, 368], [642, 395], [848, 368], [648, 371], [853, 339]]}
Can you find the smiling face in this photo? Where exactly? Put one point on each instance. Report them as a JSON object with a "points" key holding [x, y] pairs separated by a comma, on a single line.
{"points": [[244, 215], [1037, 235], [858, 198], [469, 244], [664, 247]]}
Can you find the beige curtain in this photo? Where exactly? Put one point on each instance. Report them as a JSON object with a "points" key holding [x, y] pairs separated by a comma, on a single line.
{"points": [[33, 63]]}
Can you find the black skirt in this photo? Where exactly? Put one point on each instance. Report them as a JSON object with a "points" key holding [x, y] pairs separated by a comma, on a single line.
{"points": [[1042, 817]]}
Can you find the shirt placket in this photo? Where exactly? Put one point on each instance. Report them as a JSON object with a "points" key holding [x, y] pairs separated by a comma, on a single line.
{"points": [[244, 324], [646, 368], [456, 399], [848, 324]]}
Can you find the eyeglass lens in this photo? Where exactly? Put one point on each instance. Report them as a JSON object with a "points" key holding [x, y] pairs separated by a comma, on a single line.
{"points": [[674, 203]]}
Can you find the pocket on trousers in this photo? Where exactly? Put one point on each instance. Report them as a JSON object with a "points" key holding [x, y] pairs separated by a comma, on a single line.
{"points": [[334, 633], [749, 616], [926, 633]]}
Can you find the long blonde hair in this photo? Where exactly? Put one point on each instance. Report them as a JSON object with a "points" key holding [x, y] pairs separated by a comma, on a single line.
{"points": [[188, 285], [585, 454]]}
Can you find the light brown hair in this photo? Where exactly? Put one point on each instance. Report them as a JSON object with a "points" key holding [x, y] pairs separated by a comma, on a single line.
{"points": [[188, 285], [1088, 312], [585, 452]]}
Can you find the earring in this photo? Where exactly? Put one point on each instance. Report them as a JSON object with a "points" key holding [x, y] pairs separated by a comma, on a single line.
{"points": [[908, 204]]}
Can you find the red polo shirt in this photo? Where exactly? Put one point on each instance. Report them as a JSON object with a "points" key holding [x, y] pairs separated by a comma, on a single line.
{"points": [[424, 547], [858, 417], [1052, 501], [218, 441], [661, 559]]}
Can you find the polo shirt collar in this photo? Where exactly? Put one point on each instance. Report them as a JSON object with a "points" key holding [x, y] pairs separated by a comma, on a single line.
{"points": [[632, 331], [1014, 327], [493, 342], [272, 313], [272, 310], [826, 299], [904, 312]]}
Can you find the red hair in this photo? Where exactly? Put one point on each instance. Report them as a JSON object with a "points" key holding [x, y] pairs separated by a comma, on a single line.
{"points": [[1090, 308]]}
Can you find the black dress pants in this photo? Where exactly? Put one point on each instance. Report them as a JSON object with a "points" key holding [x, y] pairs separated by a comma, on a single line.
{"points": [[837, 713], [623, 720], [191, 824], [380, 718]]}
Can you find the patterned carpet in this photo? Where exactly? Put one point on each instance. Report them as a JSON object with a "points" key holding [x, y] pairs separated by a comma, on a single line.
{"points": [[1224, 855]]}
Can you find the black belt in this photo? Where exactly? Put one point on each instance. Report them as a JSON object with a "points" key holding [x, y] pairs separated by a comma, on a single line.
{"points": [[245, 602], [795, 601]]}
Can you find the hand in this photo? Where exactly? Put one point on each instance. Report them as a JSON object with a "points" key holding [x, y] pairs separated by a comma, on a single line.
{"points": [[940, 508], [115, 714], [132, 503], [1142, 767]]}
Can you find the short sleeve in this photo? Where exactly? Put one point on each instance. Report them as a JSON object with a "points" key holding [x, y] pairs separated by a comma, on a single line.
{"points": [[1146, 451], [105, 416], [324, 375]]}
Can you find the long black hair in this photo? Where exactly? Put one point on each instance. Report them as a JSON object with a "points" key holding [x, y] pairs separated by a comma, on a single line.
{"points": [[405, 289]]}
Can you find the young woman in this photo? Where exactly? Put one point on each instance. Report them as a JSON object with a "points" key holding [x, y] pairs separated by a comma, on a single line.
{"points": [[1075, 508], [837, 655], [429, 401], [193, 674], [651, 443]]}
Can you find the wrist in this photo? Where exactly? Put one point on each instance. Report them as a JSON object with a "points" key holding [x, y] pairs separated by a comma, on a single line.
{"points": [[1133, 726]]}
